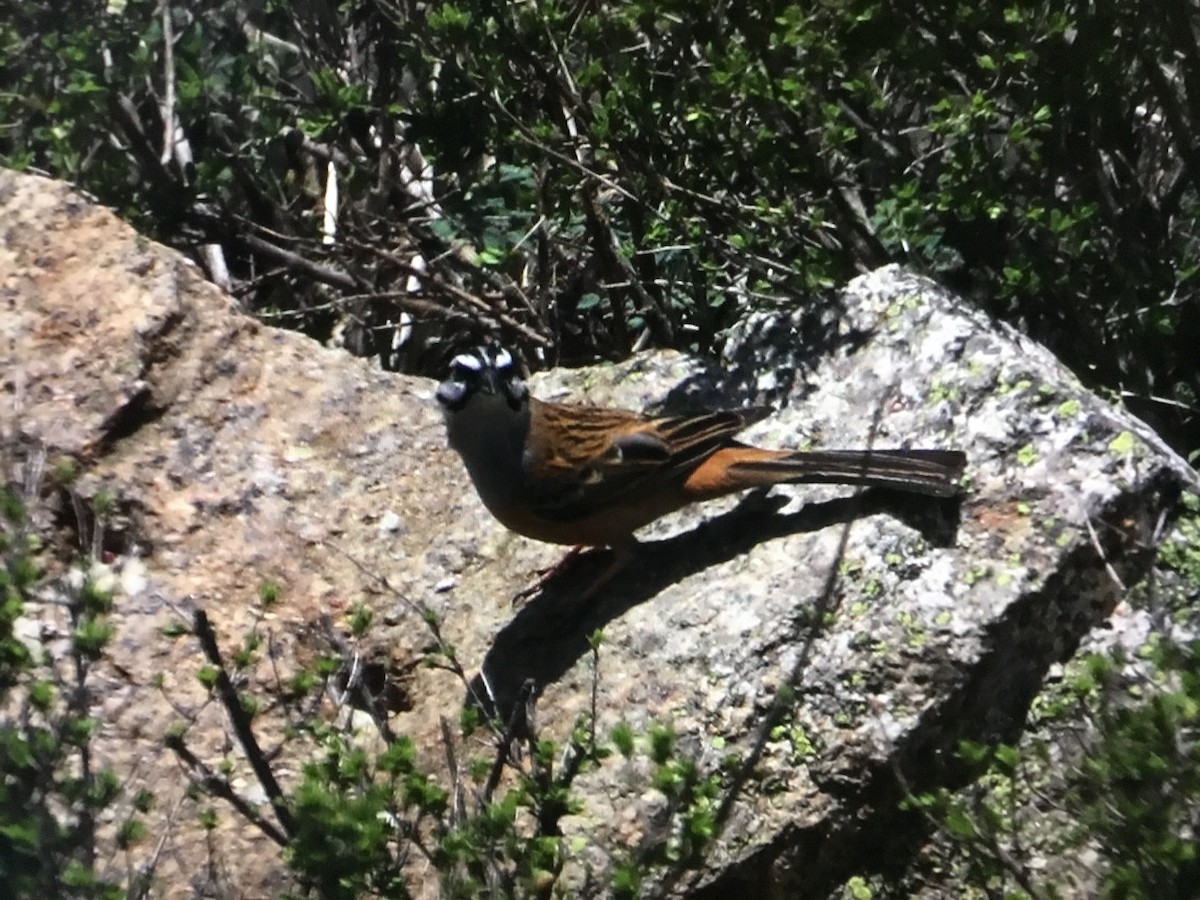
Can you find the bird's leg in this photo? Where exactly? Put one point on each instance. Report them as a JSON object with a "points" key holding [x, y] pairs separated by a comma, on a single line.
{"points": [[622, 554], [548, 574]]}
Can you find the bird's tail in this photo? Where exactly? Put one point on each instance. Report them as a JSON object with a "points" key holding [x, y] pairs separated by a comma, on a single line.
{"points": [[933, 472]]}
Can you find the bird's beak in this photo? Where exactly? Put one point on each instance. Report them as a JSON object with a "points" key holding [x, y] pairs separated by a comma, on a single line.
{"points": [[491, 384]]}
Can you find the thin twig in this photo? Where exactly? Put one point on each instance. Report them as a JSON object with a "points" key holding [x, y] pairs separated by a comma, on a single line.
{"points": [[355, 685], [463, 296], [1103, 555], [241, 721], [323, 274], [218, 786], [517, 718], [168, 104]]}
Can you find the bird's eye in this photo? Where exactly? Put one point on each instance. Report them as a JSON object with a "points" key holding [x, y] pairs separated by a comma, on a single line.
{"points": [[465, 367]]}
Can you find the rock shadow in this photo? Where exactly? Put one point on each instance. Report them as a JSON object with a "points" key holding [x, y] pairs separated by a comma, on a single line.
{"points": [[551, 632]]}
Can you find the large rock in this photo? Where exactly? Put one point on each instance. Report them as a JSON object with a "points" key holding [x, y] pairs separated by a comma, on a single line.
{"points": [[814, 648]]}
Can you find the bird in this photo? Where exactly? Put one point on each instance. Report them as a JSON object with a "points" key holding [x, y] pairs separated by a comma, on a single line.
{"points": [[589, 476]]}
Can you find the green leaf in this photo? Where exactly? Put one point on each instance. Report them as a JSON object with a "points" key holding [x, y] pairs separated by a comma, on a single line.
{"points": [[622, 737], [959, 823], [491, 256]]}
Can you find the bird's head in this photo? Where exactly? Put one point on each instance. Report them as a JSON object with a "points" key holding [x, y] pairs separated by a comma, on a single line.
{"points": [[485, 372]]}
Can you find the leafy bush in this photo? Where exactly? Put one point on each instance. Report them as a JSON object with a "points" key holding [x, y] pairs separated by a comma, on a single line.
{"points": [[53, 792], [1114, 815], [1101, 797], [364, 818]]}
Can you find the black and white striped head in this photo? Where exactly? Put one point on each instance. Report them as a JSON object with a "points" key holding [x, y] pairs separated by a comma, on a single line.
{"points": [[484, 370]]}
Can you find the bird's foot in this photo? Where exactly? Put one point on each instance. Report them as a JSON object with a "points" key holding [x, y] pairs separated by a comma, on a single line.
{"points": [[546, 575], [621, 557]]}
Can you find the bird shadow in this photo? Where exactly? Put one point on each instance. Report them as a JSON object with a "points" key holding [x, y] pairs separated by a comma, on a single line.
{"points": [[553, 630]]}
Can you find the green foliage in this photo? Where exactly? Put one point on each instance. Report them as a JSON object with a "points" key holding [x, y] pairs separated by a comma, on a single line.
{"points": [[1139, 790], [622, 738], [367, 813], [615, 173], [1132, 792], [268, 594], [1182, 552], [51, 791], [341, 845]]}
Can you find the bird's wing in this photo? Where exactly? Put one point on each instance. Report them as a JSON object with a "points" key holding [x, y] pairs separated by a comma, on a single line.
{"points": [[610, 454]]}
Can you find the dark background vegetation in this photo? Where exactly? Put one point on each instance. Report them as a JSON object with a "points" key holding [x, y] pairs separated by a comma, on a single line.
{"points": [[583, 178]]}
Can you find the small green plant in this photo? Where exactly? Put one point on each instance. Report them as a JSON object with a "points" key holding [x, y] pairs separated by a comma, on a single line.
{"points": [[1137, 791], [1131, 795], [363, 812], [52, 792], [358, 818]]}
